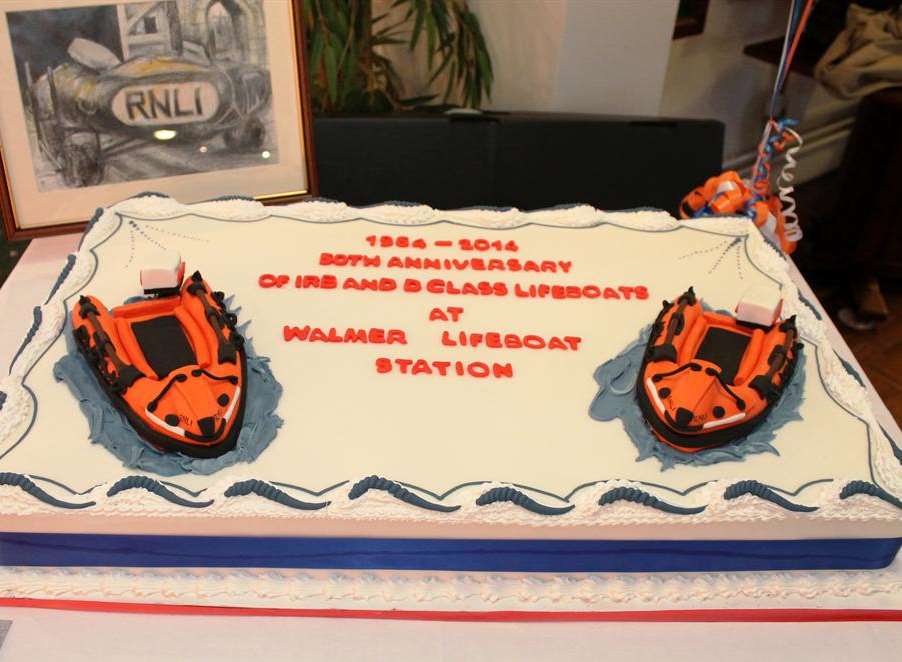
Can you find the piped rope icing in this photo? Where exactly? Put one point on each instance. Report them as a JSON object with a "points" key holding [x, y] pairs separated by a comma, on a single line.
{"points": [[516, 497], [856, 487], [35, 325], [271, 492], [635, 495], [398, 491], [30, 487], [155, 487], [762, 491], [67, 268]]}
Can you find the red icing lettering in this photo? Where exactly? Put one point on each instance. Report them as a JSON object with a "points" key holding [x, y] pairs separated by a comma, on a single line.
{"points": [[355, 336], [627, 291], [502, 370], [396, 336], [270, 280], [534, 342], [420, 367], [294, 333]]}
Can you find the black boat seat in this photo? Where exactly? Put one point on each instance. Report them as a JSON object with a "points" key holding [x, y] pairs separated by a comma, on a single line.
{"points": [[164, 344], [734, 352]]}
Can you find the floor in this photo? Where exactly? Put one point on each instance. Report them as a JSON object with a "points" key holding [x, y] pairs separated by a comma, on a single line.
{"points": [[879, 351]]}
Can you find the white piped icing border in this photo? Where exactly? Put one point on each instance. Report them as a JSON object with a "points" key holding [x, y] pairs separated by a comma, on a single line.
{"points": [[448, 591], [595, 505]]}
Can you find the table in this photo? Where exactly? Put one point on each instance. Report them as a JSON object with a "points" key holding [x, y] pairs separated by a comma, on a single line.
{"points": [[110, 636]]}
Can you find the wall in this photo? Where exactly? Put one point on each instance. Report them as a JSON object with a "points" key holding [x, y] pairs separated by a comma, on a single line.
{"points": [[617, 57], [588, 56], [708, 76], [594, 56]]}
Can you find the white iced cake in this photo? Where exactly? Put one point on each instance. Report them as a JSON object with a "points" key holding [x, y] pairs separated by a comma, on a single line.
{"points": [[444, 402]]}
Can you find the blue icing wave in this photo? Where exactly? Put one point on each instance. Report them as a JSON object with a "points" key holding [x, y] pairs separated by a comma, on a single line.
{"points": [[90, 226], [516, 497], [762, 491], [35, 325], [616, 398], [863, 487], [896, 450], [30, 487], [398, 491], [67, 268], [850, 369], [635, 495], [2, 400], [155, 487], [271, 492], [110, 429], [811, 306]]}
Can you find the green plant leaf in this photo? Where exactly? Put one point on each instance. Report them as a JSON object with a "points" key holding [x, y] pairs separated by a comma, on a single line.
{"points": [[438, 72], [330, 65], [420, 7], [431, 37], [346, 74], [316, 51], [387, 41]]}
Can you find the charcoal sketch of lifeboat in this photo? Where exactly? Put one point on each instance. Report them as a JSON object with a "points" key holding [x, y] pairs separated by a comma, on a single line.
{"points": [[185, 97]]}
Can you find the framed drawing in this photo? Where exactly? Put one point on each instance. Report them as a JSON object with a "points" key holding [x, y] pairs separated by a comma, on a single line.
{"points": [[104, 99]]}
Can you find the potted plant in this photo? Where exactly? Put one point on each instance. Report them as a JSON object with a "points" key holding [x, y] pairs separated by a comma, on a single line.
{"points": [[350, 64]]}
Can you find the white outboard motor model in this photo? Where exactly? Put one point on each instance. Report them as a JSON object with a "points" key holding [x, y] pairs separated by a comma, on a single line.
{"points": [[760, 306], [164, 276]]}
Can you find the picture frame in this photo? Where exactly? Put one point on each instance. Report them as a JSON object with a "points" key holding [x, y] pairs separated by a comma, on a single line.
{"points": [[195, 99]]}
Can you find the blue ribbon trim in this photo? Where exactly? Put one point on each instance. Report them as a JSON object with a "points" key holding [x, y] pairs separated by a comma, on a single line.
{"points": [[485, 555]]}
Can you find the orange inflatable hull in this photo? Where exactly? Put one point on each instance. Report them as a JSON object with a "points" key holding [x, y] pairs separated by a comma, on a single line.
{"points": [[174, 365], [708, 379]]}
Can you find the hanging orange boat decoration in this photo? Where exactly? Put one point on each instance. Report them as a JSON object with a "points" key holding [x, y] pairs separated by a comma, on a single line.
{"points": [[710, 378], [173, 364]]}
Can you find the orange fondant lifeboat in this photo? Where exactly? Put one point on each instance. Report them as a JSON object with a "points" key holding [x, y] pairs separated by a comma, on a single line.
{"points": [[172, 363], [709, 378]]}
